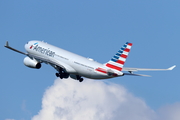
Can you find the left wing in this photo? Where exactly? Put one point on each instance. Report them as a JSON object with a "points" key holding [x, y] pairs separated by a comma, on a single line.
{"points": [[7, 46], [146, 69]]}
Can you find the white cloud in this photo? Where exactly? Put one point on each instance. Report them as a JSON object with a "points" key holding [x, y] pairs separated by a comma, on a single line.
{"points": [[96, 100], [170, 112], [91, 100]]}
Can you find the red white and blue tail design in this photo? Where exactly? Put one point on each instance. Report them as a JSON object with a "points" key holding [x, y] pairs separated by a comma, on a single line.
{"points": [[118, 60]]}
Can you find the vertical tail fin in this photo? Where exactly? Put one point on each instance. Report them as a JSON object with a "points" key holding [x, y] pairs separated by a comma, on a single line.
{"points": [[118, 60]]}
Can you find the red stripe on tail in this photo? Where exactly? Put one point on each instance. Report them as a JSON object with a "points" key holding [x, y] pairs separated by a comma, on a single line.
{"points": [[120, 62], [123, 56], [126, 50], [130, 44], [113, 67]]}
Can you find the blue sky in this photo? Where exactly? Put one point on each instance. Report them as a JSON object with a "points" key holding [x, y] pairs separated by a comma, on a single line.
{"points": [[95, 29]]}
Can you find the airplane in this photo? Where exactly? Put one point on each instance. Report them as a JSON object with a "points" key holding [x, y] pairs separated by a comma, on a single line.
{"points": [[69, 64]]}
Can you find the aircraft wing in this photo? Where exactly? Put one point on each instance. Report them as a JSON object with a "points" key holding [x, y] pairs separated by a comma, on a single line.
{"points": [[145, 69], [7, 46]]}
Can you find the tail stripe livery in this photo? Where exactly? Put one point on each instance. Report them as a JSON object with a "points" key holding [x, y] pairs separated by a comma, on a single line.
{"points": [[118, 60], [113, 67], [115, 63]]}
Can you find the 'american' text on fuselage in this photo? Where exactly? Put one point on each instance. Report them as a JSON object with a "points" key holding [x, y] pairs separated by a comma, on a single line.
{"points": [[44, 51]]}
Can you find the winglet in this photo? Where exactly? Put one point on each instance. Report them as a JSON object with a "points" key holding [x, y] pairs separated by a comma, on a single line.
{"points": [[7, 44], [171, 68]]}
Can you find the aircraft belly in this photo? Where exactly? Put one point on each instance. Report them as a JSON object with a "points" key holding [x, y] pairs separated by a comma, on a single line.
{"points": [[92, 74], [84, 72], [100, 76]]}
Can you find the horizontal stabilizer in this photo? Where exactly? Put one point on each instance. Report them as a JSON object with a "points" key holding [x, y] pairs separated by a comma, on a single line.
{"points": [[136, 74]]}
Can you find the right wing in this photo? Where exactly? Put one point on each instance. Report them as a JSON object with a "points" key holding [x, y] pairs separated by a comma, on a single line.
{"points": [[146, 69], [7, 46], [131, 70]]}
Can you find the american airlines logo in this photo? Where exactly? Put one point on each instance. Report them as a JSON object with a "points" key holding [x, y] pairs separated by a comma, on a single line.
{"points": [[42, 50], [33, 45]]}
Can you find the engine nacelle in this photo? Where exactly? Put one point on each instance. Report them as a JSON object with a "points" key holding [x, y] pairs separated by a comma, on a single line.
{"points": [[32, 63]]}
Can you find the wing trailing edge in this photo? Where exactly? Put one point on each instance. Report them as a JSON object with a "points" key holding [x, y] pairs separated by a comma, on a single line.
{"points": [[132, 74]]}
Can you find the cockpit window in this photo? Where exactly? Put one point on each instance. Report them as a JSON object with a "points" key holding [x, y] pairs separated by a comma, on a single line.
{"points": [[27, 42]]}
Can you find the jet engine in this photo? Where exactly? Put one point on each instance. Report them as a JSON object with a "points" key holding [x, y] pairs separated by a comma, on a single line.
{"points": [[32, 63]]}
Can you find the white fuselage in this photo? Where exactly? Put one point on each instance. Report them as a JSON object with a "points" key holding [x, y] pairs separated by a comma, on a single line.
{"points": [[74, 64]]}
